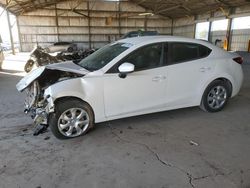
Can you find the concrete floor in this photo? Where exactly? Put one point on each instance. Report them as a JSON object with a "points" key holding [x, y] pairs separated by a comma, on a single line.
{"points": [[146, 151]]}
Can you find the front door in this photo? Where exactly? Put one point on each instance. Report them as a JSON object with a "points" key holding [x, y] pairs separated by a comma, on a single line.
{"points": [[143, 90]]}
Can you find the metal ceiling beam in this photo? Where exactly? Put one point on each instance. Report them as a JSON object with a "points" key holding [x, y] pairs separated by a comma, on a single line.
{"points": [[224, 3], [39, 6], [168, 9], [6, 7], [186, 8], [78, 12], [140, 2]]}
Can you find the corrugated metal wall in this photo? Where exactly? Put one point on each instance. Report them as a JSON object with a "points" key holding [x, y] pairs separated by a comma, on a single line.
{"points": [[240, 39], [60, 23], [184, 27], [218, 35]]}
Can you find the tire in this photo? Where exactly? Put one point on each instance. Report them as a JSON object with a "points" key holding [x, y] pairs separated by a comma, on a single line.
{"points": [[70, 49], [71, 119], [216, 96], [29, 65]]}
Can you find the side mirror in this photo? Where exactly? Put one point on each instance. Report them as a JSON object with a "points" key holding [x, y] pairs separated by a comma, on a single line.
{"points": [[125, 68]]}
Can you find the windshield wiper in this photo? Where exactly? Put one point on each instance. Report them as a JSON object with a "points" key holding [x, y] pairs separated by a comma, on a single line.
{"points": [[91, 69]]}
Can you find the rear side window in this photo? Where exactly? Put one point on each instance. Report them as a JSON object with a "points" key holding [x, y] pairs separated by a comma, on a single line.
{"points": [[204, 51], [181, 52]]}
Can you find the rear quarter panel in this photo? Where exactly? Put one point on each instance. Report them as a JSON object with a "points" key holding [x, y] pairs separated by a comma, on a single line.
{"points": [[226, 68]]}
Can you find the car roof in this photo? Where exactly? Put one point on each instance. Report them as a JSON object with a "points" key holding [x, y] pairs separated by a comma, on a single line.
{"points": [[163, 38]]}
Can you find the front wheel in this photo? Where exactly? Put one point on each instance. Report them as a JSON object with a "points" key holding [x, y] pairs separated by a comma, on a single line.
{"points": [[29, 65], [215, 96], [72, 118]]}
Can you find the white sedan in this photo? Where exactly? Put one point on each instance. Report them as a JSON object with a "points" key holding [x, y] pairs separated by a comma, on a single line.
{"points": [[131, 77]]}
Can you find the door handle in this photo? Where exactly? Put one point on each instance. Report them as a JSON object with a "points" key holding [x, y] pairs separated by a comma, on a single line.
{"points": [[204, 69], [158, 78]]}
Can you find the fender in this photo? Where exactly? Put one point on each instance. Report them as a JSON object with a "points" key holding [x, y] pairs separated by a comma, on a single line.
{"points": [[77, 88]]}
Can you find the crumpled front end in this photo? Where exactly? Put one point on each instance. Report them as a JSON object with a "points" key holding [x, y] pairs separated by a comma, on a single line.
{"points": [[37, 105], [37, 102]]}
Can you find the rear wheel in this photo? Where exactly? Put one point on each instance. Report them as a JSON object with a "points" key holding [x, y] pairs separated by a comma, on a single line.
{"points": [[215, 96], [72, 118], [29, 65]]}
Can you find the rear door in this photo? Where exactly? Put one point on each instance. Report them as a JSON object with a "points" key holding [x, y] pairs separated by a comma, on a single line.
{"points": [[188, 69]]}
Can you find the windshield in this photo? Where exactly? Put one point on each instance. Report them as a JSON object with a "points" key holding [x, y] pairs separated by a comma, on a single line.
{"points": [[103, 56]]}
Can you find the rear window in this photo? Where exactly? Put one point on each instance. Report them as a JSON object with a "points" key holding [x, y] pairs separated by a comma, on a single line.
{"points": [[181, 52]]}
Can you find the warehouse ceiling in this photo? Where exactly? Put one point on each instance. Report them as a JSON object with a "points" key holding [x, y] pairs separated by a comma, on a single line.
{"points": [[167, 8], [181, 8], [18, 7]]}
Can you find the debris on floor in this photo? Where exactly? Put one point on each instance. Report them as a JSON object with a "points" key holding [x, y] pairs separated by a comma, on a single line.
{"points": [[47, 138], [193, 143], [39, 129]]}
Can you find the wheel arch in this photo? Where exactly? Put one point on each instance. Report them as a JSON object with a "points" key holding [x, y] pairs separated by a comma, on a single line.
{"points": [[63, 98], [228, 80], [80, 89]]}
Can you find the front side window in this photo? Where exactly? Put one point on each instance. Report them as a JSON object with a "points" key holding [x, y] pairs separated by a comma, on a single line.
{"points": [[103, 56], [181, 52], [147, 57]]}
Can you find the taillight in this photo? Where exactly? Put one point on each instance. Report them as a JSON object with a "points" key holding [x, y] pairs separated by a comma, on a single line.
{"points": [[238, 60]]}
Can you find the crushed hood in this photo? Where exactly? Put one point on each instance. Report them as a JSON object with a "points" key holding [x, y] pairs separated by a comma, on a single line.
{"points": [[35, 74]]}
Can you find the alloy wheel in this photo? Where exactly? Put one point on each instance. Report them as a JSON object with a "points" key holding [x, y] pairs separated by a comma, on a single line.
{"points": [[73, 122], [217, 96]]}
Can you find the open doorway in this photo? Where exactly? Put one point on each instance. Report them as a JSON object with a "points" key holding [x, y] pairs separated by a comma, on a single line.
{"points": [[6, 44], [202, 30]]}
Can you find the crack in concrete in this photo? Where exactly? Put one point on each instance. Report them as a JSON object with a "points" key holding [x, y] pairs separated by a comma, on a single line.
{"points": [[191, 178], [218, 172], [210, 176], [189, 175], [202, 177]]}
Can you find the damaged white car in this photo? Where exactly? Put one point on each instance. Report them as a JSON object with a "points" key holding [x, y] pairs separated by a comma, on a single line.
{"points": [[131, 77]]}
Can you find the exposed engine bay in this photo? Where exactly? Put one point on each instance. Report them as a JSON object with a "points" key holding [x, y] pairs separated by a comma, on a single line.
{"points": [[34, 85], [35, 91]]}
